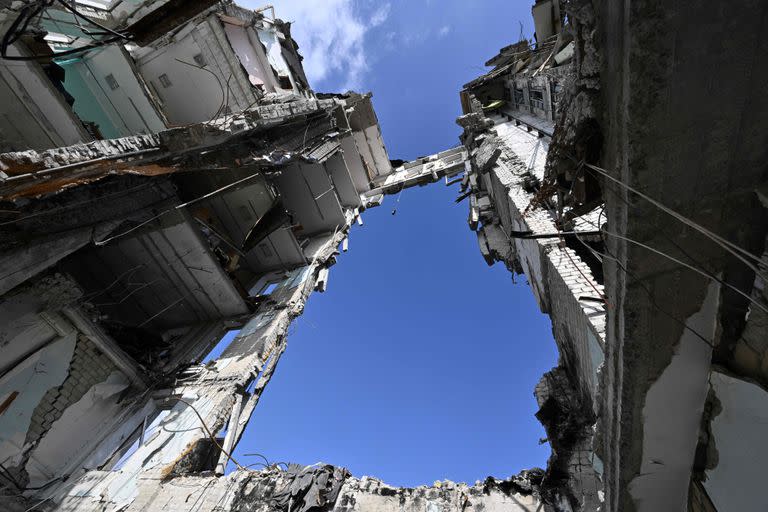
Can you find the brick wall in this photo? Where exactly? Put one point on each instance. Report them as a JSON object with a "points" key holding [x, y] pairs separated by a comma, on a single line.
{"points": [[89, 366]]}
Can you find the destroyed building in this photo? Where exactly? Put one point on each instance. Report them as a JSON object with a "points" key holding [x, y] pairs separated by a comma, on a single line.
{"points": [[168, 175]]}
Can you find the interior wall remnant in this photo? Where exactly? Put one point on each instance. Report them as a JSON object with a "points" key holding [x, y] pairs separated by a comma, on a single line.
{"points": [[250, 56], [38, 375], [113, 85], [271, 42], [74, 432], [737, 434], [34, 114], [670, 431], [191, 92]]}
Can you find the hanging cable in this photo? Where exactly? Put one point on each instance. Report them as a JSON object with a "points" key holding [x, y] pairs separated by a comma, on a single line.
{"points": [[682, 263], [78, 14], [218, 81], [735, 250], [740, 253], [211, 436], [77, 204], [611, 257], [397, 201], [600, 293], [19, 27], [105, 241]]}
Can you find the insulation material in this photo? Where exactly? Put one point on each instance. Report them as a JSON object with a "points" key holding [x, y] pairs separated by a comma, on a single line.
{"points": [[274, 52], [246, 53]]}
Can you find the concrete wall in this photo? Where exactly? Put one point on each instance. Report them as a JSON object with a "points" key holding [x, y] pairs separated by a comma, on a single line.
{"points": [[61, 394], [33, 113], [736, 448], [705, 159], [87, 105], [126, 110], [193, 95], [251, 55], [505, 160]]}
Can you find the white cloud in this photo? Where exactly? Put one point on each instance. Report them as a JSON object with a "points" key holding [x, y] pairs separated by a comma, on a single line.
{"points": [[444, 30], [331, 37], [380, 15]]}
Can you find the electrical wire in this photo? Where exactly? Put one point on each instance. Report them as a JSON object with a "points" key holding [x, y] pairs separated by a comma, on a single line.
{"points": [[690, 267], [609, 256], [21, 23], [727, 245], [638, 281], [105, 241], [218, 81], [266, 460], [211, 436], [558, 225], [701, 272], [33, 507], [69, 206], [651, 297], [78, 14], [22, 20], [735, 250]]}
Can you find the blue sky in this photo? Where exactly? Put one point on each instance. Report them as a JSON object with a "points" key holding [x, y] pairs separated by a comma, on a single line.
{"points": [[419, 362]]}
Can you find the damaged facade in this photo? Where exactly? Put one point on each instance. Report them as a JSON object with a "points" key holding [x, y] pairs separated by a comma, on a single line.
{"points": [[638, 216], [168, 175], [181, 63]]}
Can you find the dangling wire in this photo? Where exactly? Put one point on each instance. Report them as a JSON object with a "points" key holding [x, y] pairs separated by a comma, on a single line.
{"points": [[19, 27], [397, 201]]}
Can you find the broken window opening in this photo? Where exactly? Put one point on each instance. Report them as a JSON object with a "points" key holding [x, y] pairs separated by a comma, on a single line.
{"points": [[269, 289], [144, 433], [250, 389], [220, 347], [587, 255], [284, 82], [537, 98]]}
